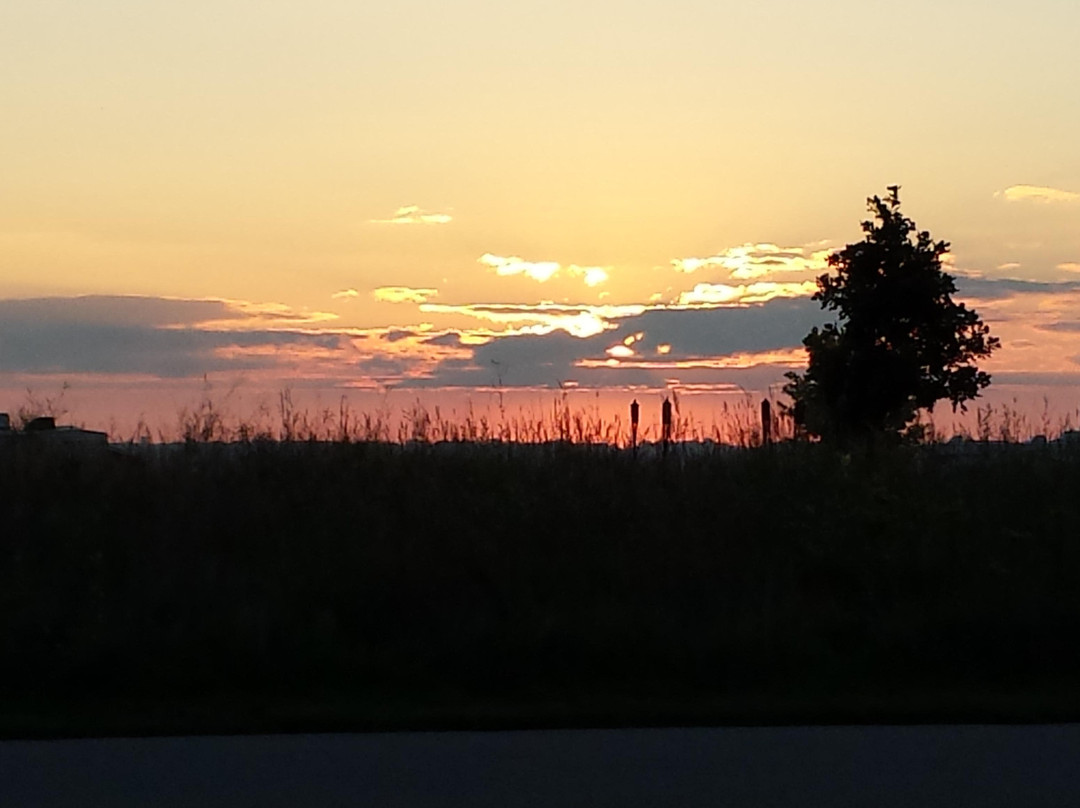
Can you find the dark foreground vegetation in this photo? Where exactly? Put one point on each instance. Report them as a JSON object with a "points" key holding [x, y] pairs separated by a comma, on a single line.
{"points": [[287, 586]]}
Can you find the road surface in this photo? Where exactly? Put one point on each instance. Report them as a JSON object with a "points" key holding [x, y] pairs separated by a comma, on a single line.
{"points": [[797, 766]]}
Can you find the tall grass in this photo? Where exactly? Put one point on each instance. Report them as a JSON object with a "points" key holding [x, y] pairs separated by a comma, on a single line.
{"points": [[734, 422]]}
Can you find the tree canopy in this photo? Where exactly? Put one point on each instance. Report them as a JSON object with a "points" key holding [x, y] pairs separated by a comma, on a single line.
{"points": [[900, 343]]}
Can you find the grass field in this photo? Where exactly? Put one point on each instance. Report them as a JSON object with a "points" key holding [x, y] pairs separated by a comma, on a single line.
{"points": [[269, 585]]}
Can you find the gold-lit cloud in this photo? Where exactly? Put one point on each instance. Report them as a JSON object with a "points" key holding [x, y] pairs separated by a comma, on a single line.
{"points": [[1070, 266], [625, 348], [542, 271], [344, 294], [722, 294], [791, 357], [389, 355], [750, 261], [593, 276], [543, 318], [412, 214], [403, 294], [244, 315], [513, 265], [1037, 193]]}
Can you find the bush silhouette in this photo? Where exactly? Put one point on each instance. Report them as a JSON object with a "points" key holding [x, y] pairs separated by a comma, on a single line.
{"points": [[900, 343]]}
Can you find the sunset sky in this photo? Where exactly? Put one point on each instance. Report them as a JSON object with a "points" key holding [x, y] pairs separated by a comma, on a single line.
{"points": [[435, 198]]}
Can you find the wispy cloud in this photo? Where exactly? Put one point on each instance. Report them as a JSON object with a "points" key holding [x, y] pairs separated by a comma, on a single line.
{"points": [[411, 214], [542, 318], [344, 294], [593, 276], [543, 270], [751, 261], [1037, 193], [722, 294], [1070, 266], [980, 289], [785, 358], [403, 294], [393, 355], [242, 315], [513, 265]]}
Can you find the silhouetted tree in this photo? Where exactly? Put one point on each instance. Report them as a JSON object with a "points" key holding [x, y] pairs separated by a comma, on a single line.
{"points": [[900, 343]]}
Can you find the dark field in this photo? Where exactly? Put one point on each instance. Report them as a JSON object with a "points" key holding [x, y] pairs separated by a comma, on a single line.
{"points": [[315, 586]]}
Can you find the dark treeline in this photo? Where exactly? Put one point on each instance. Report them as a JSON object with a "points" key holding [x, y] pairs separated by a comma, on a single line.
{"points": [[337, 585]]}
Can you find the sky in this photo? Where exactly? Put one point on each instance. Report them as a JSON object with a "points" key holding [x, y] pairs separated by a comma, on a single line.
{"points": [[440, 201]]}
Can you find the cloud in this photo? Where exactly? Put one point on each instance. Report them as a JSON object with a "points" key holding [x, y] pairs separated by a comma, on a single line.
{"points": [[1037, 193], [713, 294], [593, 276], [544, 344], [542, 271], [645, 347], [537, 270], [172, 338], [411, 214], [1037, 322], [997, 289], [700, 332], [114, 310], [1066, 325], [746, 334], [1035, 378], [786, 358], [161, 337], [751, 261], [450, 339], [542, 318], [403, 294], [158, 312], [246, 315], [1069, 266], [383, 369], [345, 293]]}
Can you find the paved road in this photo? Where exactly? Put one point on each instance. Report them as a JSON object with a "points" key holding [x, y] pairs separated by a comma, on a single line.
{"points": [[911, 767]]}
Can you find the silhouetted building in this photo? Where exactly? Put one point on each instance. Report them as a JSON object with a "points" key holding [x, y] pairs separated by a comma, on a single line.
{"points": [[42, 432], [7, 436]]}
